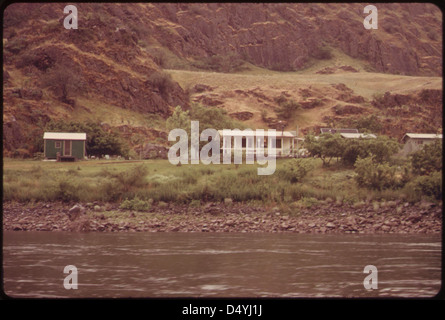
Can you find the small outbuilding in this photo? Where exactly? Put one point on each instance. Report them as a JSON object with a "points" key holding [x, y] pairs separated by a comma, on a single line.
{"points": [[64, 146], [413, 142]]}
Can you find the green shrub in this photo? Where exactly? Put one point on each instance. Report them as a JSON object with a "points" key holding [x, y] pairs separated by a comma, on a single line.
{"points": [[294, 170], [135, 204], [430, 185], [377, 175], [308, 202], [287, 109], [382, 148], [428, 159]]}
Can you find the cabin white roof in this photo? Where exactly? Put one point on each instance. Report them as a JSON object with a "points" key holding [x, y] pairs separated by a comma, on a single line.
{"points": [[64, 136], [358, 135], [422, 136], [278, 134], [339, 130]]}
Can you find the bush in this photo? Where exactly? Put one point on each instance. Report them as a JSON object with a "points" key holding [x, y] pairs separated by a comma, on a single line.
{"points": [[294, 170], [377, 175], [135, 204], [287, 109], [430, 185], [132, 178], [162, 81], [428, 159], [323, 53]]}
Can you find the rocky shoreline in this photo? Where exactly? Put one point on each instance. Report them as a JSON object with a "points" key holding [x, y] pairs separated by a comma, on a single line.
{"points": [[389, 217]]}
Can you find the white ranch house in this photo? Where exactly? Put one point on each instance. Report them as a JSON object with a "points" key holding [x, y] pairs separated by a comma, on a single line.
{"points": [[286, 143]]}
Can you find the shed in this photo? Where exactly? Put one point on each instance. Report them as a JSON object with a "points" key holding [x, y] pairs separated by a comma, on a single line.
{"points": [[415, 141], [64, 146]]}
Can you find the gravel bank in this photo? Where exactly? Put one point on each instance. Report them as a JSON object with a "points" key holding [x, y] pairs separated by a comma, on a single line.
{"points": [[390, 217]]}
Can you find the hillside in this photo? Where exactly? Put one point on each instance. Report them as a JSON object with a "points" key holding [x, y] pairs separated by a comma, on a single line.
{"points": [[129, 65], [336, 99]]}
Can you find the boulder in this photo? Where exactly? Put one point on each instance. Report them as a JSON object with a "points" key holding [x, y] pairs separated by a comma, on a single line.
{"points": [[75, 212]]}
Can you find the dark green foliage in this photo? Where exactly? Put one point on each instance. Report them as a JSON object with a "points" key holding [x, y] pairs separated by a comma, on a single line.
{"points": [[369, 124], [208, 117], [326, 146], [295, 170], [287, 109], [381, 148], [135, 204], [428, 159], [377, 175], [429, 185]]}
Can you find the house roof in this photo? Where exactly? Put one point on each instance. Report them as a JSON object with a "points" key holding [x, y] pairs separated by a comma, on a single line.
{"points": [[422, 136], [64, 136], [358, 135], [341, 130], [278, 133]]}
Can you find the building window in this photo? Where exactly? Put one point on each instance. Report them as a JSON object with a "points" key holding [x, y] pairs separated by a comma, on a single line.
{"points": [[58, 144], [279, 143]]}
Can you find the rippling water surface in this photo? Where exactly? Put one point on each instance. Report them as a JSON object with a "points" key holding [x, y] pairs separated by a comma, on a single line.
{"points": [[220, 264]]}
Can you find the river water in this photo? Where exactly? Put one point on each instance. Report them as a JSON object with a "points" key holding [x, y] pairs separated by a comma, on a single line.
{"points": [[219, 265]]}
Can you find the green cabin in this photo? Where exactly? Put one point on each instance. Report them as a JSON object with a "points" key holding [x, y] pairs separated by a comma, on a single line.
{"points": [[64, 146]]}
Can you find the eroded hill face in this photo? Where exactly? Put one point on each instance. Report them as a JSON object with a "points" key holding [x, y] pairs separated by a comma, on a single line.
{"points": [[112, 68]]}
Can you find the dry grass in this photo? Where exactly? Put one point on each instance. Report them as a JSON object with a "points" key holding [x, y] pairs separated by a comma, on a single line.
{"points": [[272, 84]]}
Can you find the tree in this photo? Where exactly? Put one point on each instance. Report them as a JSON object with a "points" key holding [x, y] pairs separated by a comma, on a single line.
{"points": [[180, 119], [326, 146], [382, 148], [428, 159], [208, 117], [64, 81]]}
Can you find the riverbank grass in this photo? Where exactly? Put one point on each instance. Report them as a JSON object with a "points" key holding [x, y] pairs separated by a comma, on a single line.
{"points": [[142, 183]]}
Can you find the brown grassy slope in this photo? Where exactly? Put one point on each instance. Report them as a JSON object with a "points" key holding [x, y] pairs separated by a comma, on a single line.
{"points": [[257, 93]]}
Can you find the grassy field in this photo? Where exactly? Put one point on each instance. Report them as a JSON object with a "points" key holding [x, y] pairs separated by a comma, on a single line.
{"points": [[154, 181]]}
